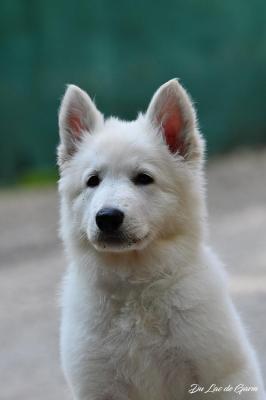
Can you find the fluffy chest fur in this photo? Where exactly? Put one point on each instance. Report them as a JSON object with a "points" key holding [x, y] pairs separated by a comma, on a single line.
{"points": [[135, 326]]}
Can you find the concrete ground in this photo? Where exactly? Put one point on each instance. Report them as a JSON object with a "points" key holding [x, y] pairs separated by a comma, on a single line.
{"points": [[32, 264]]}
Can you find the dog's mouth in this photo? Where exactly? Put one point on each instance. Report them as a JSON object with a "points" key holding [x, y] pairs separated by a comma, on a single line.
{"points": [[119, 241]]}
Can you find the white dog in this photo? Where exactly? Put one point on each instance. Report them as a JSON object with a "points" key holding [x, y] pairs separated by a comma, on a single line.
{"points": [[146, 311]]}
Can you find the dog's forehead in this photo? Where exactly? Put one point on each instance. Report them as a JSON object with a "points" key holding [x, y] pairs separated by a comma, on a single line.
{"points": [[121, 144]]}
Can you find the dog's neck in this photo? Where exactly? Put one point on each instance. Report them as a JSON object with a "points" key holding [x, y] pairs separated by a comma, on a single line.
{"points": [[170, 258]]}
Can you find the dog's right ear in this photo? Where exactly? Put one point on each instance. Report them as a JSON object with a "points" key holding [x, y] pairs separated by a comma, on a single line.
{"points": [[78, 115]]}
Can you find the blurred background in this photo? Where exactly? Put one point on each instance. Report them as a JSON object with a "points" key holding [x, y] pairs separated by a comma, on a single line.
{"points": [[120, 52]]}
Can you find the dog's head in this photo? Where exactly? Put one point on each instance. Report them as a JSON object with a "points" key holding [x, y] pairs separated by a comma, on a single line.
{"points": [[127, 184]]}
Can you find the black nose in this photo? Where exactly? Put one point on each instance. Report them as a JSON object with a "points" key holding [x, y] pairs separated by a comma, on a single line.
{"points": [[109, 219]]}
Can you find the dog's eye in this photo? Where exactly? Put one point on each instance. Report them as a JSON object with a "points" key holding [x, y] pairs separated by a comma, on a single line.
{"points": [[93, 181], [143, 179]]}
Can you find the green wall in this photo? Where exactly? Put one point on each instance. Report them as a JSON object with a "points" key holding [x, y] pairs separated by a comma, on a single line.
{"points": [[120, 52]]}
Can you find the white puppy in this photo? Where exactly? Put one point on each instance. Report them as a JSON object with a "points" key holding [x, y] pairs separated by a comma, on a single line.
{"points": [[146, 311]]}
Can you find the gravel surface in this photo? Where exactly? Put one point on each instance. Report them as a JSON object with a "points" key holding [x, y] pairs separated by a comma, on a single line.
{"points": [[32, 263]]}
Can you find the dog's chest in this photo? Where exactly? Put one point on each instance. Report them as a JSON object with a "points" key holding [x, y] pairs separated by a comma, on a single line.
{"points": [[130, 331], [136, 331]]}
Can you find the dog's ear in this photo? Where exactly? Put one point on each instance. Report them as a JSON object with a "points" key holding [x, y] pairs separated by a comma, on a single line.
{"points": [[78, 115], [172, 113]]}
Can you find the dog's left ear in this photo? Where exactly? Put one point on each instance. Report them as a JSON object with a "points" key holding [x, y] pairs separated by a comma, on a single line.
{"points": [[171, 112]]}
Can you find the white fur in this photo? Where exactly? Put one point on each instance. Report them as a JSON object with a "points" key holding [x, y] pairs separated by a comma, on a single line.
{"points": [[147, 319]]}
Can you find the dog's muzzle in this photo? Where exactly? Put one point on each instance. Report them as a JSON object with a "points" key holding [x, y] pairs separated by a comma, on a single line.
{"points": [[112, 235]]}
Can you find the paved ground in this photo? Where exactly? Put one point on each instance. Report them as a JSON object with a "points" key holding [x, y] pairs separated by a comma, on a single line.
{"points": [[32, 263]]}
